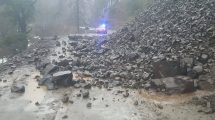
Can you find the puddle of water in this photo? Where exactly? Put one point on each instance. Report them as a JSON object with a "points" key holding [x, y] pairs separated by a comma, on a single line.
{"points": [[119, 108], [32, 93]]}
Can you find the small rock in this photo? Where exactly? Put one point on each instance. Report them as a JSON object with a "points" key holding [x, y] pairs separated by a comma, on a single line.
{"points": [[58, 44], [94, 99], [126, 94], [85, 94], [78, 95], [63, 63], [87, 86], [27, 75], [65, 98], [65, 117], [18, 89], [160, 106], [198, 69], [89, 105], [209, 111], [204, 58], [204, 85], [37, 103], [37, 77], [77, 85], [136, 103], [10, 72], [61, 56], [71, 101]]}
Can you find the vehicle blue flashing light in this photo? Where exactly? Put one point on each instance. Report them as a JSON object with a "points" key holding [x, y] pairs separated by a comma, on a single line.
{"points": [[103, 25]]}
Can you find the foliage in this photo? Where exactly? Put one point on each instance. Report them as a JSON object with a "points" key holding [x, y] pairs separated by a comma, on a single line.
{"points": [[14, 18], [21, 12], [15, 42]]}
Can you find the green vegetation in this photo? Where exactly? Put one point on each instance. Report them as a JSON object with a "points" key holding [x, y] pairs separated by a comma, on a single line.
{"points": [[14, 18], [57, 17]]}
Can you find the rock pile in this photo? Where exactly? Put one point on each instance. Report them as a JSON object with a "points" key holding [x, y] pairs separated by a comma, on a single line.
{"points": [[54, 77], [170, 38], [207, 102]]}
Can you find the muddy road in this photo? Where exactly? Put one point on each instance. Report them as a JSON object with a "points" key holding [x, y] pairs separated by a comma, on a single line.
{"points": [[38, 103]]}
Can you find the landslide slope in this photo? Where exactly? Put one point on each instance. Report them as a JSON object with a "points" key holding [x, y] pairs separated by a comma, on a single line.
{"points": [[169, 38]]}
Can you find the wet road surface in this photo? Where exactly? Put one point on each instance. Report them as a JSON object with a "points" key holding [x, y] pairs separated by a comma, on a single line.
{"points": [[37, 103]]}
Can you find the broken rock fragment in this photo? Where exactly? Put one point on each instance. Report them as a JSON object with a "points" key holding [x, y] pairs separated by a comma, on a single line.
{"points": [[63, 78], [18, 89]]}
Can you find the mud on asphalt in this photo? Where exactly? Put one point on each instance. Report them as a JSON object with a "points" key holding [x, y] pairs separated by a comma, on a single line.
{"points": [[38, 103]]}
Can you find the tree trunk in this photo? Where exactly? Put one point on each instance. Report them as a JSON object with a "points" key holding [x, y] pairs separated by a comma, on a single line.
{"points": [[22, 22], [77, 16]]}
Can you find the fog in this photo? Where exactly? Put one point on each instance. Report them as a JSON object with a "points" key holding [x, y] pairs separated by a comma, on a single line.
{"points": [[60, 16], [22, 19]]}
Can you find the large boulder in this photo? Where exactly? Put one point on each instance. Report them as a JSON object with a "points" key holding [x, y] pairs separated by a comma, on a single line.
{"points": [[165, 68], [50, 68], [63, 78], [173, 85]]}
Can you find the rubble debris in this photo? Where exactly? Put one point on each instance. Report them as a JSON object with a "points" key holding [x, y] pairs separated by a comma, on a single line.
{"points": [[207, 102], [163, 41]]}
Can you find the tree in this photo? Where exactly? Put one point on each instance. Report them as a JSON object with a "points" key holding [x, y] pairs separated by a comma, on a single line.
{"points": [[21, 12], [15, 16]]}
